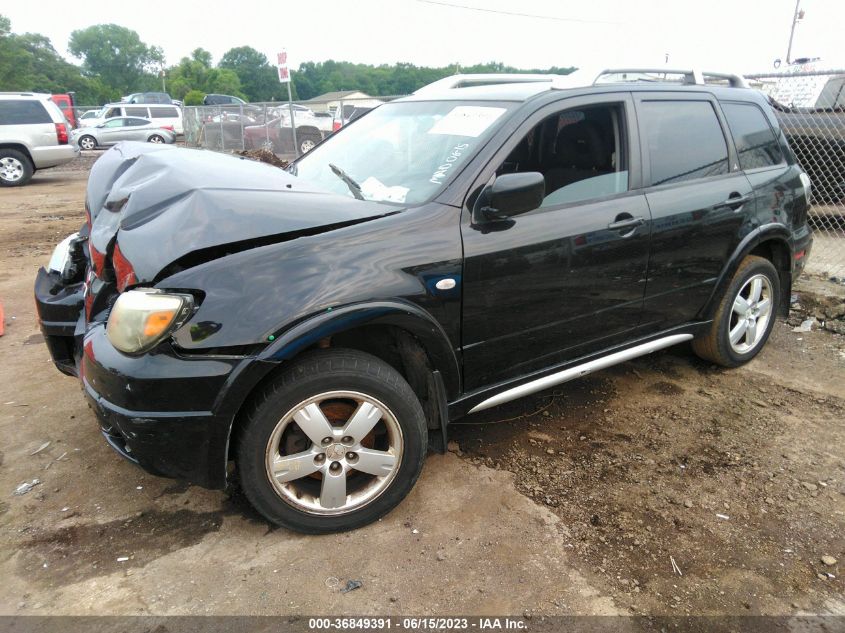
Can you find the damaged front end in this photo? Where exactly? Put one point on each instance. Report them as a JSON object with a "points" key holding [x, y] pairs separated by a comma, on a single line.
{"points": [[110, 316]]}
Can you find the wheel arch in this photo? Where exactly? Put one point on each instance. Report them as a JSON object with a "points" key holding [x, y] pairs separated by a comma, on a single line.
{"points": [[402, 334], [773, 242], [20, 147]]}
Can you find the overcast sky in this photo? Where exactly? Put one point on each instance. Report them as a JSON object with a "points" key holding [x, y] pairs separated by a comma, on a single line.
{"points": [[737, 35]]}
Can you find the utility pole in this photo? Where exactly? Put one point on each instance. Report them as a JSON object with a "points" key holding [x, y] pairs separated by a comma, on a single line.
{"points": [[797, 17]]}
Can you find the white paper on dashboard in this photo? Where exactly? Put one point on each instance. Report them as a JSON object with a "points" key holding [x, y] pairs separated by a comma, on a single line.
{"points": [[373, 189]]}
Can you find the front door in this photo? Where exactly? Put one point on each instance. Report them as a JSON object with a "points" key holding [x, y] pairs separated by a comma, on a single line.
{"points": [[567, 278]]}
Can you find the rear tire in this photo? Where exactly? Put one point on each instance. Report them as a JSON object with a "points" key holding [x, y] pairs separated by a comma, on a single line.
{"points": [[15, 168], [87, 142], [307, 141], [156, 138], [333, 443], [745, 316]]}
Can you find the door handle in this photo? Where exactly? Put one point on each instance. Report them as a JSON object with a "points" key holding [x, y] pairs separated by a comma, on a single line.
{"points": [[734, 202], [628, 223]]}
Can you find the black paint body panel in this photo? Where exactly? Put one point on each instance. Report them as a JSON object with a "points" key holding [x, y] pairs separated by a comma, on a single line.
{"points": [[277, 270]]}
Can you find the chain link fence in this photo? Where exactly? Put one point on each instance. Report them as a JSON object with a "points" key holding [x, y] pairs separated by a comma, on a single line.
{"points": [[810, 107], [288, 130]]}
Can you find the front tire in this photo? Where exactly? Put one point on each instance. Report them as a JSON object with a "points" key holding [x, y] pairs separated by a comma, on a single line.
{"points": [[87, 142], [745, 316], [332, 444]]}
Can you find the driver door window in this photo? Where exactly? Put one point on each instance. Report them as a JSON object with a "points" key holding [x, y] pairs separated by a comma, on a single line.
{"points": [[580, 153]]}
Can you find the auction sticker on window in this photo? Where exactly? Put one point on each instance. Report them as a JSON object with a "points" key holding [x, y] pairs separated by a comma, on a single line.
{"points": [[467, 121]]}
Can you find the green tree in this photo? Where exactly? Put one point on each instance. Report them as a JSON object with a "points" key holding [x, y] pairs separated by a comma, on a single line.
{"points": [[195, 73], [193, 98], [29, 62], [117, 56], [259, 81]]}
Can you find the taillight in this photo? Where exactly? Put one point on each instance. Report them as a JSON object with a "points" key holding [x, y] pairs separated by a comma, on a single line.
{"points": [[123, 270], [336, 125], [61, 133], [167, 127]]}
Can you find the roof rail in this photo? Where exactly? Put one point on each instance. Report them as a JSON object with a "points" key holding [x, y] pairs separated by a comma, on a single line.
{"points": [[485, 79], [691, 77]]}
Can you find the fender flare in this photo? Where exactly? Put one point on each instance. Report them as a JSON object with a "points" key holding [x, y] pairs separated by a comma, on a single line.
{"points": [[766, 233], [401, 314]]}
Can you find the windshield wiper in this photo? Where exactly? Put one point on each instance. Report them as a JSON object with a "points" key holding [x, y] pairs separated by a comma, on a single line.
{"points": [[354, 187]]}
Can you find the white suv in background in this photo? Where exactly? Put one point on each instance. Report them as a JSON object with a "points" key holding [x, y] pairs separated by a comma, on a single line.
{"points": [[34, 134], [163, 115]]}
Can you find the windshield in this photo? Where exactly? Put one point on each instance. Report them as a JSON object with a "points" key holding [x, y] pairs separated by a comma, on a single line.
{"points": [[402, 152]]}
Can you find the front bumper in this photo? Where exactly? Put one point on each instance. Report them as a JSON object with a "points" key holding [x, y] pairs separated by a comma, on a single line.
{"points": [[167, 412]]}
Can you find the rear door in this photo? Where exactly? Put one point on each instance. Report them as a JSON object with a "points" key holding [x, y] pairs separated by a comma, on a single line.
{"points": [[568, 278], [700, 202]]}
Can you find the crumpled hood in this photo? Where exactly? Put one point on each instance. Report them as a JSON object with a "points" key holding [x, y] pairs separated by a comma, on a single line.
{"points": [[165, 203]]}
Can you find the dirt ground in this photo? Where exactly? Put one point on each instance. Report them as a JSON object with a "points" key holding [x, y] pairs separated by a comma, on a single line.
{"points": [[573, 501]]}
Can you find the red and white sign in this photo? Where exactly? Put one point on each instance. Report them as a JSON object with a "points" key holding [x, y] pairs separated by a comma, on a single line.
{"points": [[282, 66]]}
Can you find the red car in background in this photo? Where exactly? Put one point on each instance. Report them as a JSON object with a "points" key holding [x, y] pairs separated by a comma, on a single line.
{"points": [[66, 105]]}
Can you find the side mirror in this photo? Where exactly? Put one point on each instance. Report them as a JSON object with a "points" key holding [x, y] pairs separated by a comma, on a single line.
{"points": [[509, 195]]}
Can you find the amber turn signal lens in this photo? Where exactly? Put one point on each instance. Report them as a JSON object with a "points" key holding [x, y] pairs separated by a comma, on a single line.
{"points": [[158, 322]]}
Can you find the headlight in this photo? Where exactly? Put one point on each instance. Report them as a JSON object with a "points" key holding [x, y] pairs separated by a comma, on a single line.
{"points": [[141, 318]]}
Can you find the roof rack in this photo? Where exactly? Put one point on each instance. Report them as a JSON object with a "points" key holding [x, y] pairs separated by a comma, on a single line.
{"points": [[690, 77], [485, 79]]}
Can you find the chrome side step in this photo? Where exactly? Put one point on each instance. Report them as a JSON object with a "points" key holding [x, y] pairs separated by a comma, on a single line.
{"points": [[580, 370]]}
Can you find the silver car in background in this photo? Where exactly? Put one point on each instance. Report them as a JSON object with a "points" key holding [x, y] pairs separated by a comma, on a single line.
{"points": [[125, 128]]}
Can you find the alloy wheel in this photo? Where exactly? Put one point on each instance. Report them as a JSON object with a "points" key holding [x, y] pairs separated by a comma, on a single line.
{"points": [[334, 453], [86, 142], [750, 314]]}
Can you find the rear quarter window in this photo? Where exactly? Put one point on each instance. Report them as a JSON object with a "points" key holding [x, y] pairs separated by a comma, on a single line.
{"points": [[756, 143], [684, 141], [142, 112], [23, 112], [163, 113]]}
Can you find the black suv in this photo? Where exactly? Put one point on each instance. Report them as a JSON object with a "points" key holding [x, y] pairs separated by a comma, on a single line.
{"points": [[450, 251]]}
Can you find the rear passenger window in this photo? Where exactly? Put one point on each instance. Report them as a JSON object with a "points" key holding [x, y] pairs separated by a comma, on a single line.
{"points": [[755, 141], [163, 113], [137, 112], [22, 112], [684, 141]]}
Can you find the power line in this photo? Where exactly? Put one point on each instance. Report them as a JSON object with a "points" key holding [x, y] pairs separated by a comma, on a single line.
{"points": [[513, 13]]}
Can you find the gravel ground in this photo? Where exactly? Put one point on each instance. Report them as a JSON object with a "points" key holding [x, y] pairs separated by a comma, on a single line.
{"points": [[664, 486]]}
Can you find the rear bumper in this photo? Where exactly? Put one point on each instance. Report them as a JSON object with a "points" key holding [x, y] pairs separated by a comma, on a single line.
{"points": [[54, 155], [802, 244]]}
